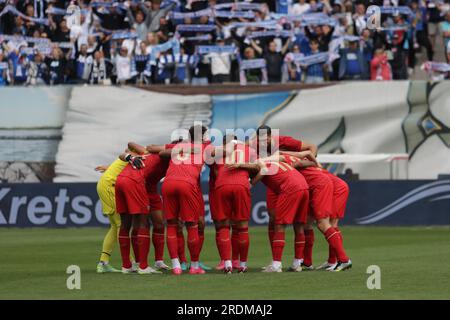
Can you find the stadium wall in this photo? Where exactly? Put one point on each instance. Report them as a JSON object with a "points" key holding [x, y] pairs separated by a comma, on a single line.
{"points": [[61, 133], [419, 202]]}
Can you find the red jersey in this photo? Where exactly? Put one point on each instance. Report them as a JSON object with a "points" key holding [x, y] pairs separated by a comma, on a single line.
{"points": [[225, 176], [314, 175], [286, 143], [186, 166], [154, 170], [282, 177]]}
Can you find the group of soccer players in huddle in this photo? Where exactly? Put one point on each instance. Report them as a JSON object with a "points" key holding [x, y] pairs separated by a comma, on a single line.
{"points": [[299, 193]]}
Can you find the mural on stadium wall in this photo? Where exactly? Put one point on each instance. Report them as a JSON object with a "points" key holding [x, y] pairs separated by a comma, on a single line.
{"points": [[60, 126]]}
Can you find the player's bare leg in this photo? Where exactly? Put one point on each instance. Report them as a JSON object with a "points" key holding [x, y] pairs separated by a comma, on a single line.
{"points": [[193, 246], [157, 218], [244, 244], [224, 244], [125, 242], [278, 243], [299, 247], [335, 241], [172, 245]]}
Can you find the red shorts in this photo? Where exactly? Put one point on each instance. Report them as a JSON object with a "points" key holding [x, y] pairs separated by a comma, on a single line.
{"points": [[321, 201], [131, 196], [340, 196], [155, 202], [271, 199], [292, 207], [233, 202], [181, 201]]}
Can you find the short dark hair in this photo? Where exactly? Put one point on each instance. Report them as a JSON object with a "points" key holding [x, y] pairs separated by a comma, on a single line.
{"points": [[195, 130], [229, 137], [265, 127]]}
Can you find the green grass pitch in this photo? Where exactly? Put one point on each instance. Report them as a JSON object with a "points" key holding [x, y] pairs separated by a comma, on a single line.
{"points": [[414, 262]]}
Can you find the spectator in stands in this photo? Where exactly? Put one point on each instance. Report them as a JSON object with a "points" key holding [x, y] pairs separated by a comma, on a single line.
{"points": [[140, 22], [183, 65], [315, 73], [353, 64], [294, 69], [252, 75], [380, 69], [398, 59], [420, 26], [18, 60], [141, 65], [154, 13], [112, 19], [434, 18], [56, 63], [83, 62], [37, 70], [98, 73], [166, 67], [445, 30], [359, 18], [4, 69], [300, 7], [220, 64], [274, 59], [122, 62]]}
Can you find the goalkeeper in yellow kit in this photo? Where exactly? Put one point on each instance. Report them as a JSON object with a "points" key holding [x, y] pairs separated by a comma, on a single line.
{"points": [[107, 195]]}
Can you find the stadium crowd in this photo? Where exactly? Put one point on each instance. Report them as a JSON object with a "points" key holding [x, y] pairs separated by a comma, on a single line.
{"points": [[204, 41]]}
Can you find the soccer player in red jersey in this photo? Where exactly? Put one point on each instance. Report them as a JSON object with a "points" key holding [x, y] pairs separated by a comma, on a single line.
{"points": [[340, 197], [233, 201], [153, 174], [291, 205], [267, 144], [182, 194], [322, 190], [327, 195], [132, 205]]}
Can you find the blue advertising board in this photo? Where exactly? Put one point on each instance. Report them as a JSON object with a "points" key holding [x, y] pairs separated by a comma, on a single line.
{"points": [[424, 202]]}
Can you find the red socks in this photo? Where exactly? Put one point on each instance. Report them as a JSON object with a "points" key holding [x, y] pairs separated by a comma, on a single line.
{"points": [[244, 243], [335, 241], [193, 242], [332, 256], [181, 247], [201, 239], [299, 246], [235, 242], [172, 241], [277, 245], [143, 239], [134, 243], [270, 232], [124, 241], [158, 243], [224, 243], [309, 243]]}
